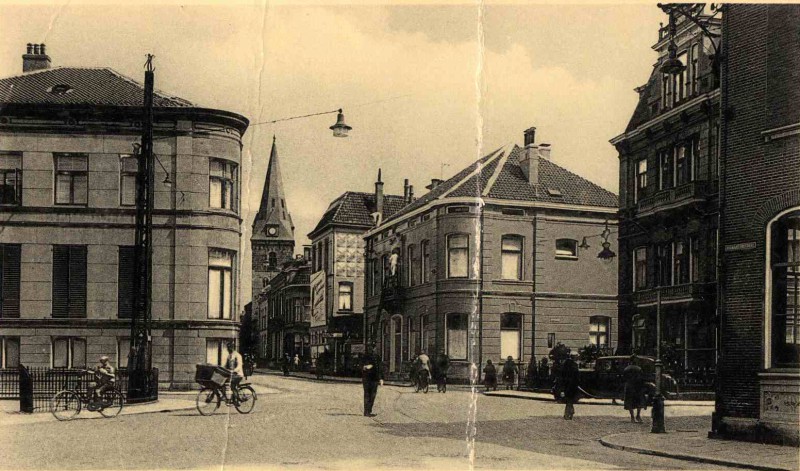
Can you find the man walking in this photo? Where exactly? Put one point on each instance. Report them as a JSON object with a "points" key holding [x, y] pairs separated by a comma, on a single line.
{"points": [[569, 375], [371, 378]]}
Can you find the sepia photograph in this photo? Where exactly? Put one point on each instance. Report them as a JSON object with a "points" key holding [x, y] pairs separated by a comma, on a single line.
{"points": [[399, 235]]}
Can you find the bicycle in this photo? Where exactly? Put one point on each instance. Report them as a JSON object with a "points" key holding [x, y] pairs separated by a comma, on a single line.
{"points": [[214, 380], [441, 384], [68, 403]]}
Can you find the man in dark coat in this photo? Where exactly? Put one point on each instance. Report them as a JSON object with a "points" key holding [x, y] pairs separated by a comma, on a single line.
{"points": [[371, 378], [569, 375]]}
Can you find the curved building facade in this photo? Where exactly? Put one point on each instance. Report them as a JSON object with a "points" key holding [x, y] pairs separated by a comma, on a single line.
{"points": [[67, 218]]}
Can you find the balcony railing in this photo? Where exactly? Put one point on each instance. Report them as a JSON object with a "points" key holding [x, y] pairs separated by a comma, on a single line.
{"points": [[690, 291], [678, 196]]}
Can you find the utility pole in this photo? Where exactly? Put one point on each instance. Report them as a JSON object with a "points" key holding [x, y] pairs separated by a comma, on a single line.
{"points": [[140, 359]]}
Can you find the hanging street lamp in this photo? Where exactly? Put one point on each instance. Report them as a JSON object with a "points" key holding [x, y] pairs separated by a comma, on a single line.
{"points": [[340, 129]]}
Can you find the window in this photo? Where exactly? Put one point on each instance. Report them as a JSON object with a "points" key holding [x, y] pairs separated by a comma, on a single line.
{"points": [[640, 268], [222, 185], [69, 281], [510, 336], [128, 166], [511, 257], [682, 80], [72, 179], [126, 282], [457, 256], [598, 330], [694, 59], [272, 261], [10, 179], [457, 209], [641, 180], [376, 276], [123, 351], [457, 336], [9, 352], [666, 91], [216, 351], [680, 263], [425, 262], [69, 352], [684, 161], [784, 260], [220, 284], [410, 255], [412, 339], [694, 260], [566, 248], [345, 296], [423, 334], [665, 170], [664, 260], [9, 280]]}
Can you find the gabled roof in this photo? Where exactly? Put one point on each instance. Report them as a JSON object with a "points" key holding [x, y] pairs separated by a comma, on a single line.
{"points": [[274, 211], [498, 175], [354, 209], [642, 112], [100, 86]]}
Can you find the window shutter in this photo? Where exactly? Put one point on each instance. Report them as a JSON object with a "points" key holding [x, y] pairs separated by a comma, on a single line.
{"points": [[10, 281], [60, 280], [77, 282], [126, 282]]}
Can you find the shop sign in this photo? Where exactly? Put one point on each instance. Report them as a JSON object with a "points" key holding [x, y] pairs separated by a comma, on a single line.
{"points": [[740, 247]]}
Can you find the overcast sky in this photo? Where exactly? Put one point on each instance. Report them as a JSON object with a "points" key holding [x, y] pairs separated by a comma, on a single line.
{"points": [[422, 86]]}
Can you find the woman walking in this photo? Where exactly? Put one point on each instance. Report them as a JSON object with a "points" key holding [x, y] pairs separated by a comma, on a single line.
{"points": [[632, 374]]}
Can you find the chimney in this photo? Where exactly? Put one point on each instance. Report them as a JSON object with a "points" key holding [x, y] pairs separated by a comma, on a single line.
{"points": [[411, 193], [405, 190], [530, 136], [544, 151], [434, 183], [529, 160], [35, 58], [379, 194]]}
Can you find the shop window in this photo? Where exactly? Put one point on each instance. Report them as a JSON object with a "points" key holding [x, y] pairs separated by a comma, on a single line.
{"points": [[599, 327], [511, 257], [69, 352], [9, 352], [457, 325], [784, 261], [510, 336], [566, 248]]}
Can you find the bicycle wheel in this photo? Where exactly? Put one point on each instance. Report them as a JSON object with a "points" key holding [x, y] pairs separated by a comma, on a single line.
{"points": [[112, 403], [424, 386], [207, 401], [247, 400], [65, 405]]}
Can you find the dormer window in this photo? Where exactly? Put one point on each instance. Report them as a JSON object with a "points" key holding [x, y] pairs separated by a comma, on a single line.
{"points": [[60, 89]]}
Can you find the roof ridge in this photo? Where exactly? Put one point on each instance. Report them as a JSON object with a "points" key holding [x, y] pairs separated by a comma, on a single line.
{"points": [[478, 170], [507, 150]]}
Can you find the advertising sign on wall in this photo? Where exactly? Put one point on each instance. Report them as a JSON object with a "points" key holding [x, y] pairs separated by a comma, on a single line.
{"points": [[318, 299]]}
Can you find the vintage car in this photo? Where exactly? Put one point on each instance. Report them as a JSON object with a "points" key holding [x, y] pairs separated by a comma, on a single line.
{"points": [[605, 379]]}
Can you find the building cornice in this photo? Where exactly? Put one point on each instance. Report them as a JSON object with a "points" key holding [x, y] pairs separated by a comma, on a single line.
{"points": [[665, 116]]}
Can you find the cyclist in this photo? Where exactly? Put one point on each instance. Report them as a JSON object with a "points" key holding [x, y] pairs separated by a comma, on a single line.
{"points": [[105, 377], [442, 366], [234, 364], [423, 365]]}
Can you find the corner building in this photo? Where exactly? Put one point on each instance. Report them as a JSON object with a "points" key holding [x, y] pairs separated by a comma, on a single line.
{"points": [[489, 265], [669, 210], [759, 374], [68, 220]]}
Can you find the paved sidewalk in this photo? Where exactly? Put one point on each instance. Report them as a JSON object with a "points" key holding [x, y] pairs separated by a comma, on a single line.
{"points": [[326, 378], [537, 396], [169, 401], [694, 445]]}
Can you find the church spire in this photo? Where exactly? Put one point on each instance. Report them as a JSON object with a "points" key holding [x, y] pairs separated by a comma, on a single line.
{"points": [[273, 220]]}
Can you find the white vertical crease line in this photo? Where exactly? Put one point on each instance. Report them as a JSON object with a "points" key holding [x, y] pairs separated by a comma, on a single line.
{"points": [[474, 318]]}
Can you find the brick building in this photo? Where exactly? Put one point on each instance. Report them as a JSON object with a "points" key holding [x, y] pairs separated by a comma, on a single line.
{"points": [[67, 212], [759, 370], [338, 269], [669, 211], [488, 264]]}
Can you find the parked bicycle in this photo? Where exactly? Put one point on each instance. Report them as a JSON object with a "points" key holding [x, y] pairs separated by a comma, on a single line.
{"points": [[421, 382], [214, 380], [68, 403]]}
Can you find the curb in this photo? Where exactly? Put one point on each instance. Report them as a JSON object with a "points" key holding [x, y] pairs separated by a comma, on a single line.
{"points": [[693, 458], [590, 401]]}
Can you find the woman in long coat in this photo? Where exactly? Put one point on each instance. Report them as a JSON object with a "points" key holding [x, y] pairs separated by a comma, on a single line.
{"points": [[634, 383]]}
